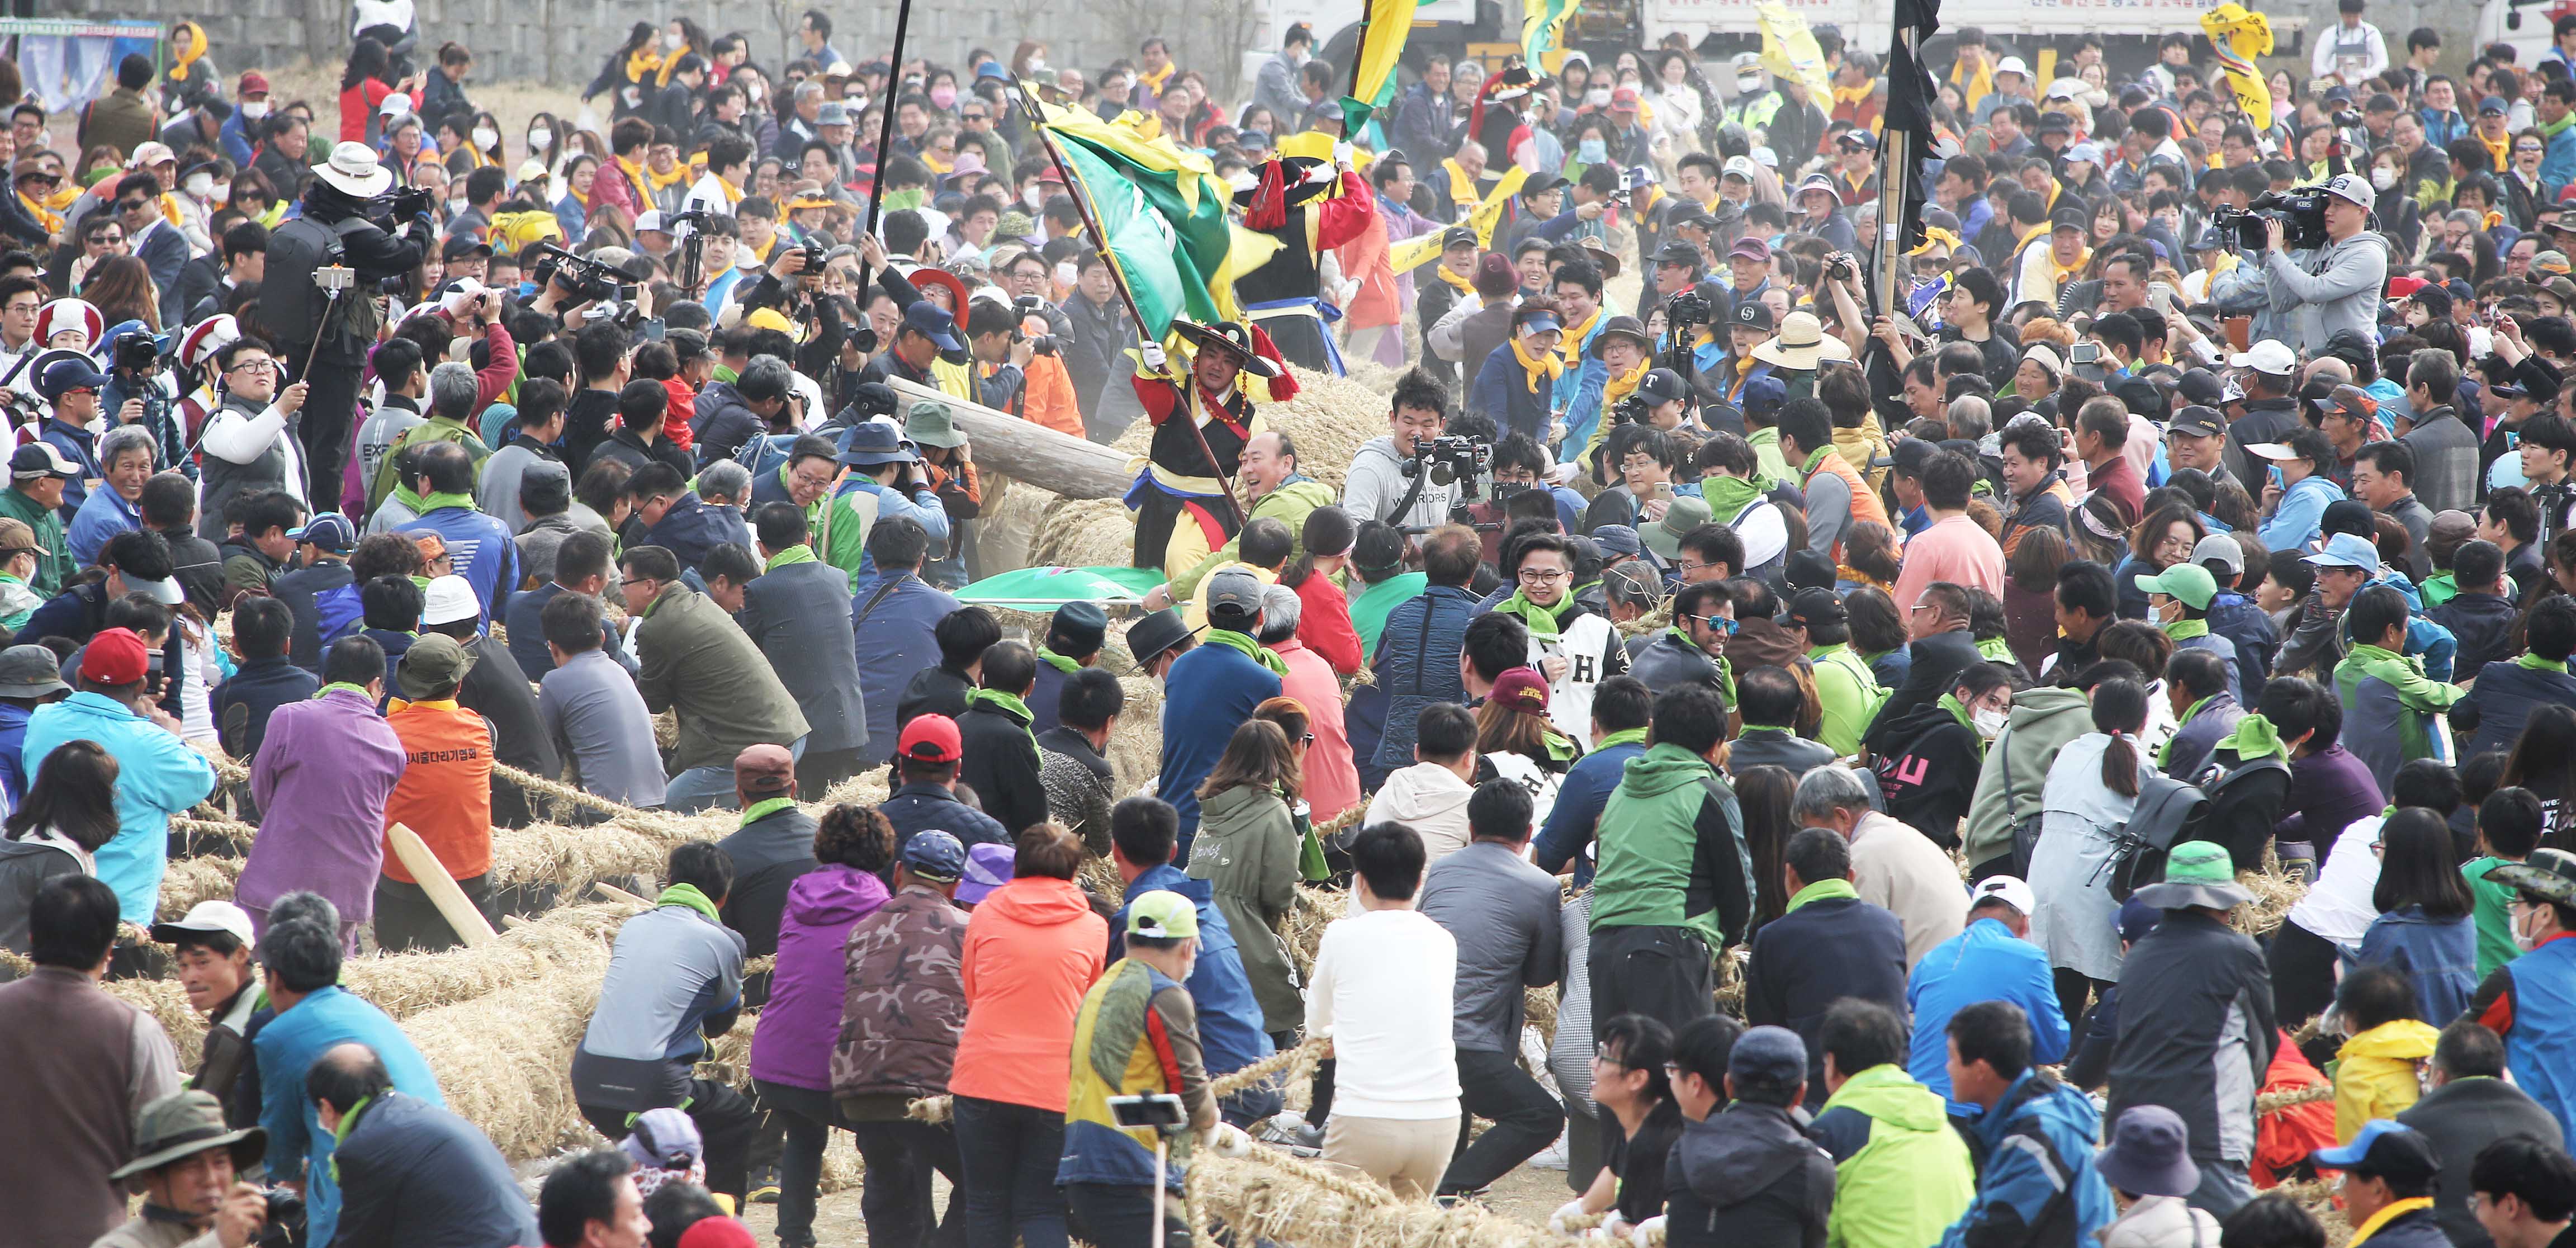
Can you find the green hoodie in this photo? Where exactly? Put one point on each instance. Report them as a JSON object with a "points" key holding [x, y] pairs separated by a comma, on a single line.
{"points": [[1672, 850], [1912, 1179], [2042, 720]]}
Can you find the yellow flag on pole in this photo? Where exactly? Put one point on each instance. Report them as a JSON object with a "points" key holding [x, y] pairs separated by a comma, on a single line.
{"points": [[1421, 249], [1390, 23], [2240, 34], [1789, 50]]}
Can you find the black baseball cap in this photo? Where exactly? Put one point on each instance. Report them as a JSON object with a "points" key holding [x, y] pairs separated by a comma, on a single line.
{"points": [[2199, 422], [1663, 385], [1911, 455], [1457, 236], [1752, 314], [1813, 606]]}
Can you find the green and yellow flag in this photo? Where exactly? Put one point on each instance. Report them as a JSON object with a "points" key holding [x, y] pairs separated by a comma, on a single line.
{"points": [[1162, 210], [1390, 23], [1543, 33]]}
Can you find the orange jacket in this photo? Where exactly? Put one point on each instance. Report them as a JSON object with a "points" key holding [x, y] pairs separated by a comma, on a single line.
{"points": [[684, 406], [1864, 500], [2284, 1137], [1048, 399], [1365, 259], [445, 793], [1032, 949]]}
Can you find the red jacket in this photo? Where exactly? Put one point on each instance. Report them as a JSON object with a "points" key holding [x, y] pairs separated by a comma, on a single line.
{"points": [[2284, 1137], [1324, 624]]}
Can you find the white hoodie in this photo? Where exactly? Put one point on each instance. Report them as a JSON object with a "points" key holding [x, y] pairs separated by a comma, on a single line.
{"points": [[1430, 799]]}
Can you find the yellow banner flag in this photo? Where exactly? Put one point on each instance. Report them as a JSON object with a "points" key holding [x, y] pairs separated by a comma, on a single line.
{"points": [[1421, 249], [1390, 23], [2241, 34], [1789, 50]]}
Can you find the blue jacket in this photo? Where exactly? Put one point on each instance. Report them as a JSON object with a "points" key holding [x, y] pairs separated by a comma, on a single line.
{"points": [[2439, 955], [1984, 963], [1224, 686], [13, 769], [1501, 393], [1579, 798], [1578, 392], [236, 141], [286, 1048], [2294, 522], [1417, 664], [922, 806], [102, 515], [2235, 617], [2540, 1048], [1230, 1034], [692, 528], [78, 446], [157, 777], [924, 507], [2558, 168], [414, 1173], [2502, 702], [2016, 1183], [894, 643], [481, 550]]}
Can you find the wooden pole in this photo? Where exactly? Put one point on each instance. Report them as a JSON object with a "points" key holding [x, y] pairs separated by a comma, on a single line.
{"points": [[1100, 238], [885, 138], [1058, 463], [442, 888], [1897, 164]]}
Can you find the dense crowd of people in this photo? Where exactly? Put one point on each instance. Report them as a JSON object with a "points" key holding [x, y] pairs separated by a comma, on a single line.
{"points": [[1874, 728]]}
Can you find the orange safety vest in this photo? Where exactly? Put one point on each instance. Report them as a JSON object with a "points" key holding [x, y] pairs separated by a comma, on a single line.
{"points": [[445, 793]]}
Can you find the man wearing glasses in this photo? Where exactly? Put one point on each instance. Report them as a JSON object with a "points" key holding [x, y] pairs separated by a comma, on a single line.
{"points": [[20, 296], [149, 236], [1689, 653], [1572, 645]]}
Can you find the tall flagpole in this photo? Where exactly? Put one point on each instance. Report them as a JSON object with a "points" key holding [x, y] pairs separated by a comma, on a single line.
{"points": [[1077, 191], [885, 134], [1897, 164]]}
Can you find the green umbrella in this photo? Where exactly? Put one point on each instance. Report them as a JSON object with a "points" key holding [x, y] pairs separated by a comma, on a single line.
{"points": [[1045, 589]]}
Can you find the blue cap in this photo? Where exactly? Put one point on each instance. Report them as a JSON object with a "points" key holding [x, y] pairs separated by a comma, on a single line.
{"points": [[1773, 1056], [931, 321], [2385, 1149], [872, 442], [66, 372], [331, 531], [2346, 550], [1539, 324], [934, 855]]}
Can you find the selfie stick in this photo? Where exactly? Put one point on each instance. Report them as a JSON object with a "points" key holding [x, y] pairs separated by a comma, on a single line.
{"points": [[334, 281]]}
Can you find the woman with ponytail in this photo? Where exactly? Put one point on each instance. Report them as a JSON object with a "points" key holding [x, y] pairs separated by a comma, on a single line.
{"points": [[2092, 791]]}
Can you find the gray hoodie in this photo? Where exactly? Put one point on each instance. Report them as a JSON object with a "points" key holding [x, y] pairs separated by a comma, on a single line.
{"points": [[1377, 483], [2042, 720]]}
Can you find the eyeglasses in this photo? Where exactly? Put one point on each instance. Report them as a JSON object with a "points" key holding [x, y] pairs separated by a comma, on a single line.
{"points": [[639, 580], [1541, 576], [254, 366]]}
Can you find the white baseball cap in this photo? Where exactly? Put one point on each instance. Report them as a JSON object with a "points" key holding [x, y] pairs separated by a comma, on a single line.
{"points": [[2012, 65], [2269, 357], [2351, 188], [207, 916], [2008, 889], [448, 599], [1737, 166]]}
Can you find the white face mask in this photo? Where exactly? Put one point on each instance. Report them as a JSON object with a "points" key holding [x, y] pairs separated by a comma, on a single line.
{"points": [[200, 184], [486, 136], [2383, 178], [455, 206], [1037, 66], [1034, 197], [1065, 273], [540, 140], [1597, 97], [672, 42], [1989, 722], [254, 109], [2523, 937], [221, 193]]}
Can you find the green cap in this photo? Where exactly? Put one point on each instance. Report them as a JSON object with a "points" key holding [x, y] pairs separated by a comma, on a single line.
{"points": [[930, 424], [2189, 582], [2199, 862], [1164, 915]]}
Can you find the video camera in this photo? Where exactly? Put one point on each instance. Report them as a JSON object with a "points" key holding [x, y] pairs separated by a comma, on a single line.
{"points": [[134, 353], [589, 280], [1447, 461], [2300, 210], [1686, 308]]}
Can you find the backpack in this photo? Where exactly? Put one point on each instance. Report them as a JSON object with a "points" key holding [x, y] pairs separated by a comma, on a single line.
{"points": [[2169, 812]]}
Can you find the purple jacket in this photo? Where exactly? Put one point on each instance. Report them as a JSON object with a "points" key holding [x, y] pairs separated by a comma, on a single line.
{"points": [[2328, 790], [321, 778], [802, 1020]]}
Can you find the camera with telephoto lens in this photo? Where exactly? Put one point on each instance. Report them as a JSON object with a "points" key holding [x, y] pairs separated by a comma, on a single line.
{"points": [[1447, 461], [588, 280], [2301, 212], [1027, 306], [1686, 308], [1632, 410], [134, 353]]}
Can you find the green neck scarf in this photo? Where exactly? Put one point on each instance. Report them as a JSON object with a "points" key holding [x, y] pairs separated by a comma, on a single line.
{"points": [[2164, 754], [2185, 630], [1950, 702], [2254, 738], [1058, 661], [2539, 664], [1998, 650], [1726, 496], [1814, 459], [348, 1123], [403, 494], [433, 502], [1542, 621], [797, 552], [725, 374], [2365, 655], [342, 685], [1008, 704], [1248, 648], [1625, 736], [688, 895], [763, 808], [1819, 891]]}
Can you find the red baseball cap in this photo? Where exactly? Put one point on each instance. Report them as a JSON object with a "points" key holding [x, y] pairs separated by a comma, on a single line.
{"points": [[930, 739], [717, 1232], [117, 657], [253, 83], [1624, 100]]}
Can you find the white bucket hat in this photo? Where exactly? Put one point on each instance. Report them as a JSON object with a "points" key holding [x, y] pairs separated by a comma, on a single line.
{"points": [[354, 170]]}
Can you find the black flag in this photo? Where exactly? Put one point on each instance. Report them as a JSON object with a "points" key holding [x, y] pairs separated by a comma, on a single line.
{"points": [[1910, 96]]}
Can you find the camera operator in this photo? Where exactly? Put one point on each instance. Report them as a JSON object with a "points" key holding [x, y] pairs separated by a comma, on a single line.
{"points": [[139, 391], [1378, 487], [346, 222], [2338, 287]]}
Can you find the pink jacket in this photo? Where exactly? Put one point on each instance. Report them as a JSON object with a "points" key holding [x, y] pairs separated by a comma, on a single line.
{"points": [[1332, 779], [1032, 949]]}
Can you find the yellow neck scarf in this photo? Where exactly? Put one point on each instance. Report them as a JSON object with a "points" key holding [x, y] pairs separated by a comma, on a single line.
{"points": [[2068, 271], [1854, 95], [578, 197], [1618, 388], [2388, 1213], [1973, 88], [2036, 231], [732, 193], [1549, 363], [63, 195], [641, 62], [1462, 285], [53, 223], [762, 253], [2498, 149], [1462, 189], [170, 208], [662, 78], [656, 182], [1572, 344], [1156, 81]]}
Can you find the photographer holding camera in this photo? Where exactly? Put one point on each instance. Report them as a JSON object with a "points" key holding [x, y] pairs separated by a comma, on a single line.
{"points": [[138, 392], [349, 223], [2338, 286]]}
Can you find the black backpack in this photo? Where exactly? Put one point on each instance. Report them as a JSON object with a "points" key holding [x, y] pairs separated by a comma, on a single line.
{"points": [[2169, 812]]}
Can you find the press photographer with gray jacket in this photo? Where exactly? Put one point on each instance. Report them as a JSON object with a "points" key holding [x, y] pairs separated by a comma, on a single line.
{"points": [[2337, 286]]}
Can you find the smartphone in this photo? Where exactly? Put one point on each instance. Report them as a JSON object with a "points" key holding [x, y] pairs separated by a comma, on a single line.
{"points": [[2160, 295], [2085, 353], [1161, 1111]]}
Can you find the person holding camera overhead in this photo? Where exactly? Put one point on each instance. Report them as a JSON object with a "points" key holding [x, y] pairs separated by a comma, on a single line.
{"points": [[2337, 286], [347, 220]]}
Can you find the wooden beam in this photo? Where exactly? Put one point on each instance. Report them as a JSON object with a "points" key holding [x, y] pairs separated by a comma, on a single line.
{"points": [[1032, 453]]}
